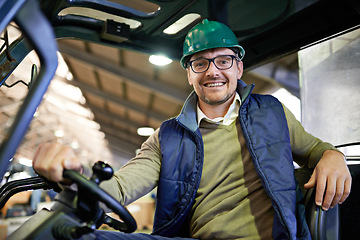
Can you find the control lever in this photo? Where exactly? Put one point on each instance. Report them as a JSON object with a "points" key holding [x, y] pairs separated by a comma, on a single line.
{"points": [[101, 171], [89, 206]]}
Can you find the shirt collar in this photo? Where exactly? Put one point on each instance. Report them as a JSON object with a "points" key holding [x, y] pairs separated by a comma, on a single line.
{"points": [[229, 117]]}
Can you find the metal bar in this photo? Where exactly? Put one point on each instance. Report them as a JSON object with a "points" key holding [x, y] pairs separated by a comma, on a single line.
{"points": [[17, 189], [8, 10], [12, 184], [38, 30]]}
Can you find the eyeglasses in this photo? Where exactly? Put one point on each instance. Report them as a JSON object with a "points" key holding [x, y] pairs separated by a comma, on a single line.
{"points": [[222, 62]]}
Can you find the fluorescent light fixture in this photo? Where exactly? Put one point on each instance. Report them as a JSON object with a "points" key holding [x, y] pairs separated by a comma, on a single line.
{"points": [[59, 133], [67, 90], [159, 60], [352, 162], [145, 131], [69, 76], [74, 144], [181, 23]]}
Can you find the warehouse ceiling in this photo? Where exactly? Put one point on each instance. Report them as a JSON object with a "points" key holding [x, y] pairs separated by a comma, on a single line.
{"points": [[105, 88]]}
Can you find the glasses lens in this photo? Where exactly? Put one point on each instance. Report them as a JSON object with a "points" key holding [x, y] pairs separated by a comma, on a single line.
{"points": [[200, 65], [223, 62]]}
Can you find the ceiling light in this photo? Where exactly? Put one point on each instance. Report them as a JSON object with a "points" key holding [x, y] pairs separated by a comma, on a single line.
{"points": [[159, 60], [69, 76], [66, 90], [74, 144], [59, 133], [145, 131], [353, 162], [181, 23]]}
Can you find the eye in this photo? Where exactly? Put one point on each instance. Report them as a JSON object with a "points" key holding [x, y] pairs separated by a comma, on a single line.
{"points": [[223, 61], [200, 63]]}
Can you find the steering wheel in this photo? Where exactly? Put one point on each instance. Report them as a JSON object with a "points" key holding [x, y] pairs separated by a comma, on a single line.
{"points": [[89, 194], [75, 214]]}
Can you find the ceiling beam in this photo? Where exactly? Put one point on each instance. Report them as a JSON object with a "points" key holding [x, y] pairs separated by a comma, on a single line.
{"points": [[125, 134], [122, 149], [113, 117], [126, 143], [117, 100], [158, 87]]}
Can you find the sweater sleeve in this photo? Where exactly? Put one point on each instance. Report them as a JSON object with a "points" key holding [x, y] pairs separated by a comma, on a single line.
{"points": [[307, 149], [138, 176]]}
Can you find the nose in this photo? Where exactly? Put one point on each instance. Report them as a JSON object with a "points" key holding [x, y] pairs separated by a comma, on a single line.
{"points": [[212, 70]]}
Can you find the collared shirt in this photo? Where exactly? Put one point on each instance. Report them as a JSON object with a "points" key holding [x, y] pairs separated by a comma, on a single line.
{"points": [[229, 117]]}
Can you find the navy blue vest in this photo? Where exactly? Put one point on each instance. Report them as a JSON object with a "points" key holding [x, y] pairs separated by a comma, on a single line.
{"points": [[265, 130]]}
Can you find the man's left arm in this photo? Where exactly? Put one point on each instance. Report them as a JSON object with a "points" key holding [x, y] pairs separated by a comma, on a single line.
{"points": [[331, 176]]}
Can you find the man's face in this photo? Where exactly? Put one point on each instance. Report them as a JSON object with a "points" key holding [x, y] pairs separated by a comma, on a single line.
{"points": [[214, 86]]}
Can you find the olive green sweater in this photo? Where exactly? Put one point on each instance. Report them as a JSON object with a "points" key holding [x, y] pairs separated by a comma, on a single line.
{"points": [[231, 202]]}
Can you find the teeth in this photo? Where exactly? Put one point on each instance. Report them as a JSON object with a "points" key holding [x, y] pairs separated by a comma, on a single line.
{"points": [[215, 84]]}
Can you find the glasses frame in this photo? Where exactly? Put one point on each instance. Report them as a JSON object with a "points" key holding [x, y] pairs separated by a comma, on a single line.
{"points": [[212, 60]]}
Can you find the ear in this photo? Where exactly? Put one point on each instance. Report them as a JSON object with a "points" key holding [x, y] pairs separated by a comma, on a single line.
{"points": [[240, 69], [188, 76]]}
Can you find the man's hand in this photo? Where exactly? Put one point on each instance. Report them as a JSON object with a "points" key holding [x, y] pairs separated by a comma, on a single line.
{"points": [[51, 159], [331, 177]]}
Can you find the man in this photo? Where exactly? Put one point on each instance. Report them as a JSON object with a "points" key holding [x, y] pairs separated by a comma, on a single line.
{"points": [[224, 165]]}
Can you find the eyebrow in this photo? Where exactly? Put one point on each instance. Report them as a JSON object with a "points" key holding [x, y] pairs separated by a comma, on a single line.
{"points": [[202, 55]]}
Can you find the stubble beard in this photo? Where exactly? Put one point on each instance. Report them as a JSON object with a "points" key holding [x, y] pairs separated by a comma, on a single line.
{"points": [[219, 102]]}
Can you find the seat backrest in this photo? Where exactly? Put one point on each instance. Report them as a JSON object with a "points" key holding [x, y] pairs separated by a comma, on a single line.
{"points": [[323, 225]]}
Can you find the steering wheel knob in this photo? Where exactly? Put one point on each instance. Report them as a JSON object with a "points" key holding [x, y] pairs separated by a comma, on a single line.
{"points": [[101, 171]]}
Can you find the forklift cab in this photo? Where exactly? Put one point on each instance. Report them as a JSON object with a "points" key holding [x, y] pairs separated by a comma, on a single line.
{"points": [[285, 28]]}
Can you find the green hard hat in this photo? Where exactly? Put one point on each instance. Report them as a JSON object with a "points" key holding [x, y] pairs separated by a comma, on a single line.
{"points": [[206, 35]]}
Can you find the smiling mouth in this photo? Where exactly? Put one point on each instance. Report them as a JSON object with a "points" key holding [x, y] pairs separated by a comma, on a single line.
{"points": [[214, 84]]}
